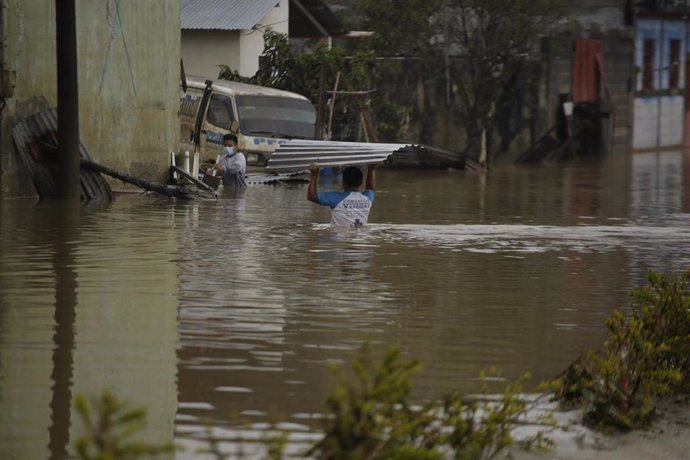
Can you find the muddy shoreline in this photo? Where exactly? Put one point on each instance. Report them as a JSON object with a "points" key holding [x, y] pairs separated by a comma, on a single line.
{"points": [[667, 438]]}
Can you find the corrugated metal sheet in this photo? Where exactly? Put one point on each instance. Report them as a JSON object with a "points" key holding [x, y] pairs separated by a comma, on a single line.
{"points": [[299, 154], [223, 14]]}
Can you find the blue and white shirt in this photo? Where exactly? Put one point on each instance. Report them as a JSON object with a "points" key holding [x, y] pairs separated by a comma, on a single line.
{"points": [[348, 209]]}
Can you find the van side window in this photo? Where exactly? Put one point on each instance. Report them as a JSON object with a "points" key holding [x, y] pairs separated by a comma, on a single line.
{"points": [[220, 111]]}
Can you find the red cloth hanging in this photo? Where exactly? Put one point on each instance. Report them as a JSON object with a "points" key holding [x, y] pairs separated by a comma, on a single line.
{"points": [[588, 70]]}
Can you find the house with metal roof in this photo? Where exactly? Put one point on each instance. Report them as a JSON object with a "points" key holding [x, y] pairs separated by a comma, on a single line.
{"points": [[230, 32]]}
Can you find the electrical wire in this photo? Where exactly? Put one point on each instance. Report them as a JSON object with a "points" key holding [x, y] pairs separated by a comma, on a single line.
{"points": [[257, 27]]}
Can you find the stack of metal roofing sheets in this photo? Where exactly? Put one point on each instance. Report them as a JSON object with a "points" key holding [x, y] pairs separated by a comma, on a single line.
{"points": [[296, 155]]}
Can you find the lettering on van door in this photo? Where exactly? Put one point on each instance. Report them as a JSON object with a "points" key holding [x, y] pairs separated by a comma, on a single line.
{"points": [[263, 140], [214, 138]]}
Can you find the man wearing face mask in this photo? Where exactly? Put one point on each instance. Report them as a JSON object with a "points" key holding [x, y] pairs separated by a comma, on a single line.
{"points": [[232, 164]]}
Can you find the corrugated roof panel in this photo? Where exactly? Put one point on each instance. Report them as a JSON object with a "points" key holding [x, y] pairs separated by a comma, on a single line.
{"points": [[223, 14], [299, 154]]}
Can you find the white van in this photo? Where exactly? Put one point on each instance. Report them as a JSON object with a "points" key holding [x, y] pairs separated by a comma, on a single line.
{"points": [[260, 117]]}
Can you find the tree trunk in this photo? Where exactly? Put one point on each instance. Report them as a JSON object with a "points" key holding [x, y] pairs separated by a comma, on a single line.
{"points": [[482, 149]]}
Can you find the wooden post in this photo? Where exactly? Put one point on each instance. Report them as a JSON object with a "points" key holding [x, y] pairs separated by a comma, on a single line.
{"points": [[482, 149], [319, 107], [363, 121], [332, 108], [67, 99]]}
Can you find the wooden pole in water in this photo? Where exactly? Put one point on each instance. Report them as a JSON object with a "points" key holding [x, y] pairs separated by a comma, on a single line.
{"points": [[67, 99]]}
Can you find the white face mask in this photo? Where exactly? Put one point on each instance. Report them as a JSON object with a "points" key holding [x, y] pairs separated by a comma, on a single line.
{"points": [[229, 150]]}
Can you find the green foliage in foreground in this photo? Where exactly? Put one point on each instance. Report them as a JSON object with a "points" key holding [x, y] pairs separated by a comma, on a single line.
{"points": [[645, 357], [111, 427], [372, 417]]}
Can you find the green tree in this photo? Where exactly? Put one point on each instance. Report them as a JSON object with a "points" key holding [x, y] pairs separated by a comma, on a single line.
{"points": [[406, 39], [494, 38], [401, 27], [284, 67], [491, 39]]}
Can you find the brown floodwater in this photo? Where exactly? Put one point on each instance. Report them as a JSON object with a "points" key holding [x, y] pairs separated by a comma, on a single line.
{"points": [[224, 316]]}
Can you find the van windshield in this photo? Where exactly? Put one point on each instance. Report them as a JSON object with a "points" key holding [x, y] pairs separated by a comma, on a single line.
{"points": [[277, 116]]}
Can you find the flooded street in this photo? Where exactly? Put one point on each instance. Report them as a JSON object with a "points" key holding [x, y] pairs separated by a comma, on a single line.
{"points": [[225, 315]]}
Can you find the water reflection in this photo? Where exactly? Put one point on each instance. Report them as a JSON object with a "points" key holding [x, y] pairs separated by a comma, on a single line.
{"points": [[517, 269], [347, 253], [658, 178], [66, 236], [235, 307], [38, 303], [83, 307]]}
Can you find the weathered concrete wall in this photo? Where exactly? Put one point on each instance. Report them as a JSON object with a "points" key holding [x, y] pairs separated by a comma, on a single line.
{"points": [[619, 48], [204, 50], [128, 58]]}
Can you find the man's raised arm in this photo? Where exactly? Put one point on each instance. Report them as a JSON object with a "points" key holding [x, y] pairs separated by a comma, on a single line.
{"points": [[313, 180], [371, 178]]}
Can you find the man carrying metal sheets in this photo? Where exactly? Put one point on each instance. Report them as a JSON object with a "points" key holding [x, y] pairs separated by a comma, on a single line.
{"points": [[349, 208]]}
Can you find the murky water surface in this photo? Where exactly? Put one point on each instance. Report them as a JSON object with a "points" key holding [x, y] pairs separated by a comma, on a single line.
{"points": [[223, 316]]}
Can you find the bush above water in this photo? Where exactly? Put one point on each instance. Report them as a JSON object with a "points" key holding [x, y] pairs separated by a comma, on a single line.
{"points": [[372, 417], [646, 356]]}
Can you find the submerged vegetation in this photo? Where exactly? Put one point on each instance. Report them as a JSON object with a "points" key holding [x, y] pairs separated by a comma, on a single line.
{"points": [[370, 415]]}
